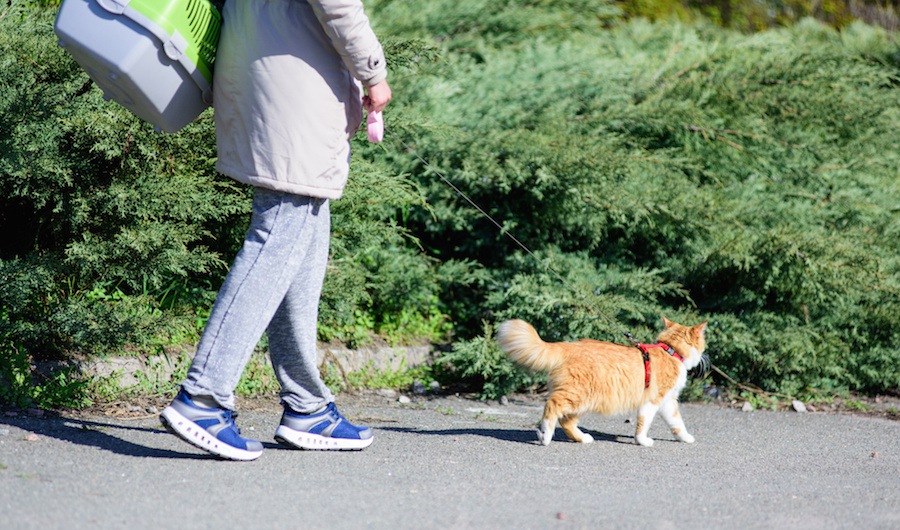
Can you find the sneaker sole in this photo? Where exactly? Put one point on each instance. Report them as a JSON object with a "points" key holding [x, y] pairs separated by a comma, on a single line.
{"points": [[190, 432], [315, 442]]}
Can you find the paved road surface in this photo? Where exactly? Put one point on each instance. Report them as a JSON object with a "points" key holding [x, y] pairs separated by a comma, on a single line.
{"points": [[454, 463]]}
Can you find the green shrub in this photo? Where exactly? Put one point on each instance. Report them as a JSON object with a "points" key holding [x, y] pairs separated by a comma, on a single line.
{"points": [[481, 363], [748, 180], [761, 15], [650, 167]]}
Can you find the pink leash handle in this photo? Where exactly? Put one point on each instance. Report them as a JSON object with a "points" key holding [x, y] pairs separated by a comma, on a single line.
{"points": [[375, 127]]}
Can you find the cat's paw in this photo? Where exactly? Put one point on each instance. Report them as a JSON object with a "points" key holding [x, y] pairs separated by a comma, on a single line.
{"points": [[645, 441], [686, 438], [586, 438], [544, 434]]}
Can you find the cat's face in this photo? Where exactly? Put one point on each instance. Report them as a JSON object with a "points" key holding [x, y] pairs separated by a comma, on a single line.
{"points": [[688, 341]]}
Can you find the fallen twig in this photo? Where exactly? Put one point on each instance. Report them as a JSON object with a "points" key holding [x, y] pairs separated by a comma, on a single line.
{"points": [[747, 387]]}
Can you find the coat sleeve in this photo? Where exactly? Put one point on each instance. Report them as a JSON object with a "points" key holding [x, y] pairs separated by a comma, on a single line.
{"points": [[346, 23]]}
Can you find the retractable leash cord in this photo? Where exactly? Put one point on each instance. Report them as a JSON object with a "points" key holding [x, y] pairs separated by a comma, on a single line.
{"points": [[375, 131]]}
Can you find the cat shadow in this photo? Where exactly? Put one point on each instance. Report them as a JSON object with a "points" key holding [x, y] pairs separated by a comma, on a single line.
{"points": [[505, 435], [598, 437], [91, 433]]}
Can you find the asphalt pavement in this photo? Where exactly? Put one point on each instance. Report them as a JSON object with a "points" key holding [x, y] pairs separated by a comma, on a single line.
{"points": [[450, 462]]}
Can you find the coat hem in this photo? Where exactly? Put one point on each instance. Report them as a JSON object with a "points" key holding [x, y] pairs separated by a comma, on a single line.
{"points": [[286, 187]]}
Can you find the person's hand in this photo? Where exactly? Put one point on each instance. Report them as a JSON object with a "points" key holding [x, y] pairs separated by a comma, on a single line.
{"points": [[377, 96]]}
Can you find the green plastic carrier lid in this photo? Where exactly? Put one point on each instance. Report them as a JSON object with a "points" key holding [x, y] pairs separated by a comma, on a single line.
{"points": [[189, 28]]}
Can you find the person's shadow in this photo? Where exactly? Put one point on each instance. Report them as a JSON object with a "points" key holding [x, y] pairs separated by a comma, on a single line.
{"points": [[102, 435], [99, 434]]}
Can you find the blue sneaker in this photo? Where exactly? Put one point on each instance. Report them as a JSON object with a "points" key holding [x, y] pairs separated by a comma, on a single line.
{"points": [[326, 430], [210, 429]]}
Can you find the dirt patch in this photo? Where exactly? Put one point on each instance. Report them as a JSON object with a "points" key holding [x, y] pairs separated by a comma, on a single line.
{"points": [[887, 407]]}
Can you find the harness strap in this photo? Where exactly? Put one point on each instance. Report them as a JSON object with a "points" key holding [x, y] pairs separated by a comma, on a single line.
{"points": [[646, 354]]}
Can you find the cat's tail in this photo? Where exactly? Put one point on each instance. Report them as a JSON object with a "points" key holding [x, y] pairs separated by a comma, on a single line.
{"points": [[523, 345]]}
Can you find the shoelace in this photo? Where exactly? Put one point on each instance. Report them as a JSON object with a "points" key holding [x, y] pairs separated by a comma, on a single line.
{"points": [[333, 411], [230, 416]]}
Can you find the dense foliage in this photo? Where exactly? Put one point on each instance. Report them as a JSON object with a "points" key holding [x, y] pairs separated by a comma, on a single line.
{"points": [[748, 180], [762, 14], [648, 167]]}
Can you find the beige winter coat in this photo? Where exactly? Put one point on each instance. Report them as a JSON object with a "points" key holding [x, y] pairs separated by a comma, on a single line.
{"points": [[287, 91]]}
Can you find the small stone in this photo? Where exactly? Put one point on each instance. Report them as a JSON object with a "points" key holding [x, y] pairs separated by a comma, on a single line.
{"points": [[152, 410], [747, 407], [627, 420], [798, 406], [434, 386], [811, 408], [31, 437], [874, 455], [560, 516], [418, 388], [504, 400], [404, 400], [386, 392]]}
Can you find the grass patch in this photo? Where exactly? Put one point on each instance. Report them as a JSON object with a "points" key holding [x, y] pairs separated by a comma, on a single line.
{"points": [[371, 377]]}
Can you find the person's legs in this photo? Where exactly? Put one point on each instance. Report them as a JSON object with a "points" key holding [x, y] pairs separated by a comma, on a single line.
{"points": [[311, 419], [292, 331], [283, 227]]}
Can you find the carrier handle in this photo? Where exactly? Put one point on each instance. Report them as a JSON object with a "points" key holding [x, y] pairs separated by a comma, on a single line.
{"points": [[116, 7], [175, 46]]}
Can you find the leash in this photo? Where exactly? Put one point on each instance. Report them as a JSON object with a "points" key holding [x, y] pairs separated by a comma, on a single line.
{"points": [[614, 323], [376, 133]]}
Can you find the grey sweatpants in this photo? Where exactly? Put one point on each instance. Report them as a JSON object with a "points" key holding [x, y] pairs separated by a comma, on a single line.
{"points": [[273, 285]]}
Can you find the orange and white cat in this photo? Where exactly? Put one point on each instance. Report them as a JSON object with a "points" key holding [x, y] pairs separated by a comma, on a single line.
{"points": [[594, 376]]}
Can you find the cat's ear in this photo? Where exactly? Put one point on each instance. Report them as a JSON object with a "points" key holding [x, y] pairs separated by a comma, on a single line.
{"points": [[667, 322], [699, 330]]}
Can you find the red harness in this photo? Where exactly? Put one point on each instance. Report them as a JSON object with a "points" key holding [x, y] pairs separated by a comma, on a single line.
{"points": [[644, 350]]}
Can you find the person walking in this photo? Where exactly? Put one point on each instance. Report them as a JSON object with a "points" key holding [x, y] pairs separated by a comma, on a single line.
{"points": [[291, 80]]}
